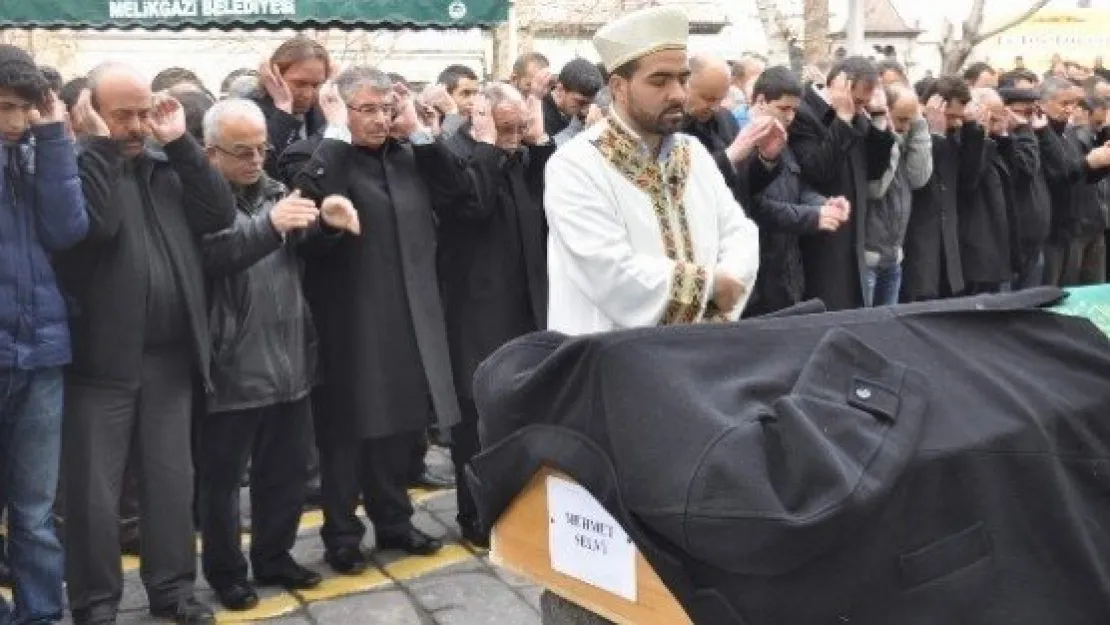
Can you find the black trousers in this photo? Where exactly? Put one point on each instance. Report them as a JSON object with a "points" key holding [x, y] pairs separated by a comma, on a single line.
{"points": [[104, 425], [377, 469], [275, 439], [464, 445]]}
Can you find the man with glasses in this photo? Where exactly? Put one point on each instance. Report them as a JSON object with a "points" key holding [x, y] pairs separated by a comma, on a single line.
{"points": [[377, 305], [263, 363]]}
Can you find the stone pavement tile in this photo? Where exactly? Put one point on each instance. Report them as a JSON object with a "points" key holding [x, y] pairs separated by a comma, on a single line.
{"points": [[134, 595], [375, 608], [442, 501], [511, 579], [532, 595], [477, 598]]}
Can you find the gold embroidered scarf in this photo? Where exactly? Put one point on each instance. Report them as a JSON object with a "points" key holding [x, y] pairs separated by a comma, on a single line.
{"points": [[665, 185]]}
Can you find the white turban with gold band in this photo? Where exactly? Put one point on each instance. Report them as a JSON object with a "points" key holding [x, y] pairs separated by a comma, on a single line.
{"points": [[641, 33]]}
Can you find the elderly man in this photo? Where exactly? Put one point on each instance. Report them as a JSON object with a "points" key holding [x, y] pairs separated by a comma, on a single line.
{"points": [[140, 343], [644, 230], [1075, 253], [263, 363], [377, 305], [493, 260]]}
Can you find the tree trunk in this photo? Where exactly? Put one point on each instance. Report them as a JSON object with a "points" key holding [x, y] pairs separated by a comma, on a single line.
{"points": [[777, 31], [954, 52], [816, 46]]}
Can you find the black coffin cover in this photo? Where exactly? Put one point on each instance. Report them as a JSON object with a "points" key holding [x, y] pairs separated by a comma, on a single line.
{"points": [[941, 463]]}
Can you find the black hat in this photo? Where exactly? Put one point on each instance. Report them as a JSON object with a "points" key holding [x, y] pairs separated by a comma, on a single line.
{"points": [[13, 55], [1011, 95]]}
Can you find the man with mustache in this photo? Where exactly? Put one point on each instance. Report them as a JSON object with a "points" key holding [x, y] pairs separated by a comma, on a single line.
{"points": [[643, 229], [140, 343]]}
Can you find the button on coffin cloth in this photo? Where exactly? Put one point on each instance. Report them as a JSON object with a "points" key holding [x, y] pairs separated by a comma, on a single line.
{"points": [[752, 472]]}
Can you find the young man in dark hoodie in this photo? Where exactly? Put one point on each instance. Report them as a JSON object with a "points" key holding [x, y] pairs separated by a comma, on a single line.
{"points": [[42, 210]]}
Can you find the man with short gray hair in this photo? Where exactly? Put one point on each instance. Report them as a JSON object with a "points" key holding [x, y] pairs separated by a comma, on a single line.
{"points": [[1075, 253], [263, 363], [502, 247], [376, 299]]}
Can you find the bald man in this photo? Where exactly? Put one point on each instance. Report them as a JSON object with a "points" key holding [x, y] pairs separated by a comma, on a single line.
{"points": [[735, 152], [140, 343]]}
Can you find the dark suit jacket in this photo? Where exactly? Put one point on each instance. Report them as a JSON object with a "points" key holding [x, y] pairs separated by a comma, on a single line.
{"points": [[933, 266], [944, 462], [492, 254]]}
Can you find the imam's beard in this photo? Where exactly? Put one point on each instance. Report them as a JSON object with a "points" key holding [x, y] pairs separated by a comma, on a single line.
{"points": [[666, 122]]}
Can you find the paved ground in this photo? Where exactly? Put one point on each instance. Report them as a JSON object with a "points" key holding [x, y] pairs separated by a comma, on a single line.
{"points": [[458, 586]]}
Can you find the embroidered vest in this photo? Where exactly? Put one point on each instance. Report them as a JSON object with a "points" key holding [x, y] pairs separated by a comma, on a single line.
{"points": [[665, 185]]}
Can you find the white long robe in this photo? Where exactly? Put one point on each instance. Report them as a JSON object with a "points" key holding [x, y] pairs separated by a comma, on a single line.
{"points": [[607, 265]]}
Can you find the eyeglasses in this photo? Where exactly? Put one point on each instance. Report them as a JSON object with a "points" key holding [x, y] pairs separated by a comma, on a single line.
{"points": [[246, 153], [389, 110]]}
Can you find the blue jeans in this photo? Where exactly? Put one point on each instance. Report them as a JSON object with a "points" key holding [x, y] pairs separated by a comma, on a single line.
{"points": [[30, 450], [883, 282]]}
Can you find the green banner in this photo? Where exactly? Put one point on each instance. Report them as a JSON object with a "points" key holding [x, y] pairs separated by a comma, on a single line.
{"points": [[270, 14]]}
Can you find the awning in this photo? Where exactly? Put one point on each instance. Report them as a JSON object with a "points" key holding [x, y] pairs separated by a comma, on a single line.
{"points": [[269, 14]]}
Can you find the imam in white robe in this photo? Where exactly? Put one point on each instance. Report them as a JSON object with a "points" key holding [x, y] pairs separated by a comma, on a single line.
{"points": [[609, 264]]}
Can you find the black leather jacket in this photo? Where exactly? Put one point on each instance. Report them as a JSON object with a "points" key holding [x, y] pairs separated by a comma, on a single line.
{"points": [[263, 340]]}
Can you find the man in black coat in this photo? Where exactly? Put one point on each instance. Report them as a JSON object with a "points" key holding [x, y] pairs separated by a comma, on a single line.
{"points": [[839, 152], [493, 257], [932, 268], [375, 298], [140, 343], [263, 364], [1032, 208], [986, 212]]}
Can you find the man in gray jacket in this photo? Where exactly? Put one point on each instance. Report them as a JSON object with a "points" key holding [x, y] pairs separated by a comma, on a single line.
{"points": [[263, 362], [891, 197]]}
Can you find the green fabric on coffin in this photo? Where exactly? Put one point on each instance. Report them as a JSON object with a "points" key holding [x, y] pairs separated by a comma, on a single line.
{"points": [[1092, 302]]}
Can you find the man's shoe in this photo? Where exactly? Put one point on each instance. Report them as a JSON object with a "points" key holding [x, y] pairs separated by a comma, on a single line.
{"points": [[188, 611], [346, 560], [430, 480], [290, 576], [473, 534], [237, 597], [409, 540]]}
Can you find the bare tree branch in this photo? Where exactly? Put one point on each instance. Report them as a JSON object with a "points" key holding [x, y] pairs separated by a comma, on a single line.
{"points": [[1028, 13]]}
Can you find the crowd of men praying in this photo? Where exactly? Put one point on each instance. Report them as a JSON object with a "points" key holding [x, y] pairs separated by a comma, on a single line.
{"points": [[290, 283]]}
